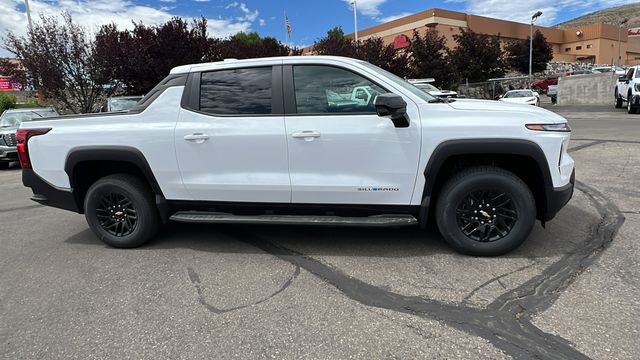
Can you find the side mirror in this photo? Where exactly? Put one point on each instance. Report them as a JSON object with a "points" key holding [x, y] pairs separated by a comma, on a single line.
{"points": [[394, 107], [622, 78]]}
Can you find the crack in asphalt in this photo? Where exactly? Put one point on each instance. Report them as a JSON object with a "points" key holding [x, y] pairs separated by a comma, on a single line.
{"points": [[506, 322], [195, 280]]}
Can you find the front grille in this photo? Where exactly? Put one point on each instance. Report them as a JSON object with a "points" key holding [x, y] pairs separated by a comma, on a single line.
{"points": [[9, 139]]}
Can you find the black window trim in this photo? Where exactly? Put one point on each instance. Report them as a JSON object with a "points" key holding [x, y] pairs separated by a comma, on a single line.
{"points": [[191, 96], [290, 106]]}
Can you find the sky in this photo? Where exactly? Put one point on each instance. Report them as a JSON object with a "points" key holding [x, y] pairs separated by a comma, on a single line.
{"points": [[310, 19]]}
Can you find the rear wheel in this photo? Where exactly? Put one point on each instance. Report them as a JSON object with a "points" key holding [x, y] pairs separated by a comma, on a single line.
{"points": [[120, 210], [618, 100], [485, 211], [4, 165]]}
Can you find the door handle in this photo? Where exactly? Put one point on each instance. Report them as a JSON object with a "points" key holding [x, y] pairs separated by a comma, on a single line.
{"points": [[307, 135], [197, 137]]}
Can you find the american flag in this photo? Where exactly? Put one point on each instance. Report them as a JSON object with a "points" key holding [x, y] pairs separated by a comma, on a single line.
{"points": [[287, 23]]}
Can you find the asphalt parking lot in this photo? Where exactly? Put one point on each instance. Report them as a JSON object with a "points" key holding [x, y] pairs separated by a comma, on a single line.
{"points": [[570, 292]]}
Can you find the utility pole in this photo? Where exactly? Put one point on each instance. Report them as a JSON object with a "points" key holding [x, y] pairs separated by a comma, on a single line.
{"points": [[619, 38], [355, 19], [533, 19], [26, 5]]}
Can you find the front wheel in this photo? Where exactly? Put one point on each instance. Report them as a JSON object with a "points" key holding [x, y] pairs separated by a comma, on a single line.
{"points": [[485, 211], [120, 211], [618, 100], [630, 108]]}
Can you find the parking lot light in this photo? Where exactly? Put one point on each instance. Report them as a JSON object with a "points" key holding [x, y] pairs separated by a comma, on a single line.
{"points": [[533, 19]]}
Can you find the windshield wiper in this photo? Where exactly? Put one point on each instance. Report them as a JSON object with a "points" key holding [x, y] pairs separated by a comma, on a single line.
{"points": [[35, 113]]}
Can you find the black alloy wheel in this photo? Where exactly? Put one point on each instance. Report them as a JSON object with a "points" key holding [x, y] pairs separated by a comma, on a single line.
{"points": [[486, 215], [120, 210], [116, 214]]}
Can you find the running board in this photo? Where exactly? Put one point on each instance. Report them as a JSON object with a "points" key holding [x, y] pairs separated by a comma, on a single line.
{"points": [[224, 218]]}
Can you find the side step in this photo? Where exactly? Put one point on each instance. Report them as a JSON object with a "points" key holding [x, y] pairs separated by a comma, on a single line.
{"points": [[224, 218]]}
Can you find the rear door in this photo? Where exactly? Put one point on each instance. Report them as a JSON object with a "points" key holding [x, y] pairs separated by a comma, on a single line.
{"points": [[340, 150], [230, 138]]}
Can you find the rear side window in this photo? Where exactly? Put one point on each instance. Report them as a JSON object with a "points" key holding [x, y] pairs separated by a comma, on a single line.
{"points": [[236, 92]]}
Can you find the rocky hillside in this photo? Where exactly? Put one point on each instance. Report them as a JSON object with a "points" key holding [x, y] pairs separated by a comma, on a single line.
{"points": [[611, 16]]}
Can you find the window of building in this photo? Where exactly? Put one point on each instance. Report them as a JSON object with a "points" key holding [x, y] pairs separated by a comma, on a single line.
{"points": [[579, 47], [567, 49], [326, 89], [589, 46], [236, 92]]}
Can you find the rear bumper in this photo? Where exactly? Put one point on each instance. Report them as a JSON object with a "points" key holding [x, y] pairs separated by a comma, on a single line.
{"points": [[47, 194], [557, 198]]}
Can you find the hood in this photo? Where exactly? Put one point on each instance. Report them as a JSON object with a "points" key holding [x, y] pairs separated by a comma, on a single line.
{"points": [[442, 92], [8, 130], [500, 106]]}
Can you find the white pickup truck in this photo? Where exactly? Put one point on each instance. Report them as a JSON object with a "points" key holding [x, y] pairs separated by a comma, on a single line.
{"points": [[262, 141], [628, 90]]}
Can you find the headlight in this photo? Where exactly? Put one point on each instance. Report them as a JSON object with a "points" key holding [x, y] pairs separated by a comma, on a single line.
{"points": [[561, 127]]}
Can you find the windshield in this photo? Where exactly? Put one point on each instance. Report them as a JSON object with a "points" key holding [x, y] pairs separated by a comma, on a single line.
{"points": [[401, 82], [426, 87], [518, 94], [14, 118], [123, 104]]}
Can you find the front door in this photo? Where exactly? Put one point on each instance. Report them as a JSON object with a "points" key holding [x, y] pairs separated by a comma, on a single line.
{"points": [[232, 146], [340, 150]]}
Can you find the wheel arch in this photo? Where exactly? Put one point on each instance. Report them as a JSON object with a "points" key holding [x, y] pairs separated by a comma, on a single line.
{"points": [[524, 158], [84, 165]]}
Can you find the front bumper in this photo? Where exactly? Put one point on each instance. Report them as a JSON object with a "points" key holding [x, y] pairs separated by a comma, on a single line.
{"points": [[557, 198], [8, 153]]}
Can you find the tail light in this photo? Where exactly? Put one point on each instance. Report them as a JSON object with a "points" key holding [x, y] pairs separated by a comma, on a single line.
{"points": [[22, 138]]}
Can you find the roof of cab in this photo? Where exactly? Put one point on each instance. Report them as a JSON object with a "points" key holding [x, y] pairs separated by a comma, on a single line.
{"points": [[266, 61]]}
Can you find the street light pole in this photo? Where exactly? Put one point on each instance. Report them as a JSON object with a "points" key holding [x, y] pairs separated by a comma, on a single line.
{"points": [[26, 5], [619, 37], [533, 19], [355, 19]]}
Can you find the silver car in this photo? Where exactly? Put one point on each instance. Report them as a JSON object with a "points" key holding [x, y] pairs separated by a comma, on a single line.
{"points": [[9, 122]]}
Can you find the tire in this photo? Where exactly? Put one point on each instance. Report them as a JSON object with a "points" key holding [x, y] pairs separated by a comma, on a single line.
{"points": [[630, 108], [4, 165], [136, 220], [618, 100], [455, 211]]}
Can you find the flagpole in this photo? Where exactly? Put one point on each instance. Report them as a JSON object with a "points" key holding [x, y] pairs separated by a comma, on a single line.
{"points": [[355, 19]]}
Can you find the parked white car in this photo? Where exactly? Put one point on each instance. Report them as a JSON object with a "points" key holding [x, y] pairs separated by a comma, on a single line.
{"points": [[628, 90], [526, 97], [284, 140]]}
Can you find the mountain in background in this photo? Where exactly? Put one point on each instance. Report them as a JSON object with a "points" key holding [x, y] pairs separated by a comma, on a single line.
{"points": [[611, 16]]}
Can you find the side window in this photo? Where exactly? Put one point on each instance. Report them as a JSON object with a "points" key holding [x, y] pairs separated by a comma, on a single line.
{"points": [[236, 92], [326, 89]]}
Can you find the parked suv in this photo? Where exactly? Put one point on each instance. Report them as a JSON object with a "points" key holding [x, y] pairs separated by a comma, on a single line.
{"points": [[270, 141], [628, 90], [9, 122]]}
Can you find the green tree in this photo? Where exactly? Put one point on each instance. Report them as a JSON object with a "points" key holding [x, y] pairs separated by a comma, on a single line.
{"points": [[517, 53], [335, 43], [59, 56], [477, 57], [374, 51], [429, 58], [7, 102]]}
